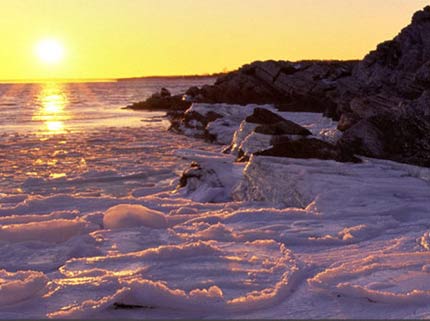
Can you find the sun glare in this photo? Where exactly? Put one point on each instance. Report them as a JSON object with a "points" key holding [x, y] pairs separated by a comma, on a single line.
{"points": [[52, 112], [50, 51]]}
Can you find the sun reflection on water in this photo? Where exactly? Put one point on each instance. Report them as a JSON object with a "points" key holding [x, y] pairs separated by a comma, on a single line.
{"points": [[55, 126], [52, 101]]}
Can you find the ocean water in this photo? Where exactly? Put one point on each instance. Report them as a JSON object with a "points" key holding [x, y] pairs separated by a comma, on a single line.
{"points": [[52, 133], [53, 108]]}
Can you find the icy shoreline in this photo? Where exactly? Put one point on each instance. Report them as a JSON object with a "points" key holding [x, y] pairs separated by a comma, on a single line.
{"points": [[271, 238]]}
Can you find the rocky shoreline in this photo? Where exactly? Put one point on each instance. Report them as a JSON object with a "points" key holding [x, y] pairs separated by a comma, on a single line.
{"points": [[381, 103]]}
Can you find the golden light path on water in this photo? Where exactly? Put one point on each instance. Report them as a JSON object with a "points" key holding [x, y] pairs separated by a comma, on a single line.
{"points": [[52, 110]]}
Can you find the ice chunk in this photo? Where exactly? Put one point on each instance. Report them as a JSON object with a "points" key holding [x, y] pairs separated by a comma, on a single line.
{"points": [[125, 215], [211, 178]]}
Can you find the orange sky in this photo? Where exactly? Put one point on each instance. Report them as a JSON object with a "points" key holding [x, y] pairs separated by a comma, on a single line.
{"points": [[126, 38]]}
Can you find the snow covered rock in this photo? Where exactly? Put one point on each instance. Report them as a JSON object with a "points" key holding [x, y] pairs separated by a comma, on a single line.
{"points": [[125, 216], [268, 133], [213, 122]]}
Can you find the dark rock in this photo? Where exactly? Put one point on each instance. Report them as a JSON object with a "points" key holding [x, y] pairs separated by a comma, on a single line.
{"points": [[274, 124], [124, 306], [164, 92], [403, 138], [388, 109], [241, 157], [162, 101], [309, 148], [347, 120], [419, 107], [363, 139], [285, 127], [195, 171], [264, 116], [193, 120], [309, 103], [193, 91], [292, 86], [401, 64]]}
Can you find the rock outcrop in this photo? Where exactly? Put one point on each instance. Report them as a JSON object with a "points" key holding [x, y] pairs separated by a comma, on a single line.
{"points": [[162, 101], [402, 65], [388, 117], [381, 103], [291, 86]]}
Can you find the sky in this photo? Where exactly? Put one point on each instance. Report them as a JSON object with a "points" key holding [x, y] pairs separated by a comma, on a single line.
{"points": [[129, 38]]}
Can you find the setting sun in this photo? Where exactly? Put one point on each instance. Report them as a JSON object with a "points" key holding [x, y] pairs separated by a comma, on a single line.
{"points": [[50, 51]]}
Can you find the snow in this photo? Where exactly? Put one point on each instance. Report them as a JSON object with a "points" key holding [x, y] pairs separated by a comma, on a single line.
{"points": [[272, 238], [123, 216], [263, 272], [399, 278], [20, 286], [58, 230]]}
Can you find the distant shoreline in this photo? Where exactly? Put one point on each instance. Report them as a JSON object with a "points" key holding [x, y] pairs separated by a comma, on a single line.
{"points": [[174, 77]]}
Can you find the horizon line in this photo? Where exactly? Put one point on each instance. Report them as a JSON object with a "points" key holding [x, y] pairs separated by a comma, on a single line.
{"points": [[105, 79]]}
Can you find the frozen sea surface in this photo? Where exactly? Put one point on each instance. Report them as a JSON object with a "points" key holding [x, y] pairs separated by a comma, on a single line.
{"points": [[92, 224]]}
